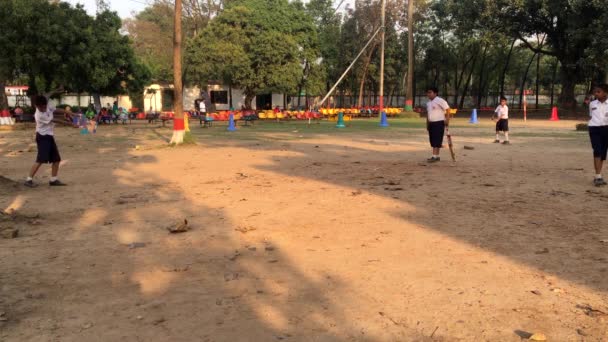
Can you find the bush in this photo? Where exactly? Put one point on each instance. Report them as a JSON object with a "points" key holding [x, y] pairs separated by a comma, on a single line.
{"points": [[582, 127]]}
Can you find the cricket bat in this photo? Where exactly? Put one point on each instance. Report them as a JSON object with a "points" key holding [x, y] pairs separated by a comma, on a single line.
{"points": [[450, 144]]}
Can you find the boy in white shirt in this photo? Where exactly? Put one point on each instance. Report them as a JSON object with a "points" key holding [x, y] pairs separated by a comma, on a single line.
{"points": [[436, 122], [502, 125], [598, 130], [45, 140]]}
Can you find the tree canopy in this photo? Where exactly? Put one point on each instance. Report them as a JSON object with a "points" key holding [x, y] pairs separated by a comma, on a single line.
{"points": [[58, 47], [257, 45]]}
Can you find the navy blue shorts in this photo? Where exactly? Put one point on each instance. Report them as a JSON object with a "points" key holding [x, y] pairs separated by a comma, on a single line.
{"points": [[47, 149], [502, 125], [436, 133], [599, 141]]}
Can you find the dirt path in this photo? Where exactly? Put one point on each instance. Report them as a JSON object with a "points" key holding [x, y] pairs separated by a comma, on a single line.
{"points": [[299, 236]]}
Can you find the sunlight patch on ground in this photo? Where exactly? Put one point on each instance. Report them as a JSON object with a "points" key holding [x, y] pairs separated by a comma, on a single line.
{"points": [[153, 282]]}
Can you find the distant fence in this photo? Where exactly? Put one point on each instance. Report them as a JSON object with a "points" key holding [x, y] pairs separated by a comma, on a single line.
{"points": [[347, 101]]}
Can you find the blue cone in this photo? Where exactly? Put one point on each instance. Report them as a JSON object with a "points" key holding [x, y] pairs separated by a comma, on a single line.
{"points": [[474, 117], [383, 120], [231, 124]]}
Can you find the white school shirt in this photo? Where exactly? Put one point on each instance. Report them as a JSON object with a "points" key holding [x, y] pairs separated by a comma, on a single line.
{"points": [[202, 107], [502, 112], [598, 111], [44, 121], [436, 109]]}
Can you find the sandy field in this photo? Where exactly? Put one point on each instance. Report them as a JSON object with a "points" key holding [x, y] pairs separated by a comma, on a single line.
{"points": [[304, 233]]}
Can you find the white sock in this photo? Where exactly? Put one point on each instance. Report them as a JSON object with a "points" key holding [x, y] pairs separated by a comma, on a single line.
{"points": [[497, 136], [507, 136], [435, 156], [53, 179], [598, 176], [28, 178]]}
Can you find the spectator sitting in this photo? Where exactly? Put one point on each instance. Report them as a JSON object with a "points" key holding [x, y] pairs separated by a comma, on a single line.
{"points": [[90, 113], [105, 116]]}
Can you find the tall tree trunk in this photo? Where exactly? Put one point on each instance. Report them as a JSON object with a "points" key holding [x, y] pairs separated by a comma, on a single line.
{"points": [[523, 82], [468, 82], [96, 101], [568, 78], [178, 119], [506, 68], [459, 79], [409, 99], [537, 78], [554, 76], [248, 99], [364, 75], [3, 97], [230, 95], [481, 71]]}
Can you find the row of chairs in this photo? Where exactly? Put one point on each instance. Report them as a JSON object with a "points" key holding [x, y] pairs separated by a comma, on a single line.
{"points": [[288, 115]]}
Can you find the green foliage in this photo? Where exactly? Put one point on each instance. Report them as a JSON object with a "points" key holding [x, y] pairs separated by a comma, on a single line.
{"points": [[256, 45], [152, 33], [61, 47]]}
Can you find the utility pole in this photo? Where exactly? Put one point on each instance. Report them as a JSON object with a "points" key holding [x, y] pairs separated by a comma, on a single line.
{"points": [[382, 38], [409, 100]]}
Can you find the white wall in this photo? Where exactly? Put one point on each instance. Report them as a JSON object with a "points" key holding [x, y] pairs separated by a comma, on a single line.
{"points": [[153, 102], [277, 100]]}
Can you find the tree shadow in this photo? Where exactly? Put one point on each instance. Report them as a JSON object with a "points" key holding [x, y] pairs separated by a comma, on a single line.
{"points": [[467, 204], [94, 260]]}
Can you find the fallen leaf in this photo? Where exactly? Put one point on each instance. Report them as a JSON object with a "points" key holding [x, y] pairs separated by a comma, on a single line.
{"points": [[538, 337]]}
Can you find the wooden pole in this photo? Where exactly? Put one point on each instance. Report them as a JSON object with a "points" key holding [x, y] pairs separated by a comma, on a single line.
{"points": [[409, 100], [178, 102], [382, 39]]}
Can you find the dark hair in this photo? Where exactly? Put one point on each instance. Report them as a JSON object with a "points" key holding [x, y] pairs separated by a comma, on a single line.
{"points": [[433, 89], [602, 86], [502, 98], [40, 100]]}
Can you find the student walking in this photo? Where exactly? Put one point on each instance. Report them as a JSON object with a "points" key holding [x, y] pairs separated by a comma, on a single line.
{"points": [[502, 124], [437, 120], [598, 130]]}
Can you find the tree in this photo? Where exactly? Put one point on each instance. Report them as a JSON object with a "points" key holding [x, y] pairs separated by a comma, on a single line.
{"points": [[257, 45], [7, 60], [152, 32], [178, 120], [57, 47], [571, 27]]}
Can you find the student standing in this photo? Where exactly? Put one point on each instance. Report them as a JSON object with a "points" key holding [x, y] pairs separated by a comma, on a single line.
{"points": [[48, 153], [437, 120], [502, 123], [598, 130]]}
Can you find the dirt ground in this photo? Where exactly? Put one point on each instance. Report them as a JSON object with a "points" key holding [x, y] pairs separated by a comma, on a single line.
{"points": [[305, 234]]}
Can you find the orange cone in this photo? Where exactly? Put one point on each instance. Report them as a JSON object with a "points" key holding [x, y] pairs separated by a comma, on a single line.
{"points": [[554, 116]]}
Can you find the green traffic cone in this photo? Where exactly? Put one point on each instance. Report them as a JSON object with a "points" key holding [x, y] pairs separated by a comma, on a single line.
{"points": [[340, 123]]}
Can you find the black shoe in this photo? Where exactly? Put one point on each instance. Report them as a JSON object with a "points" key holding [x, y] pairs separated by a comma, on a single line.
{"points": [[57, 182], [599, 182], [497, 141], [433, 159], [506, 142], [30, 184]]}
